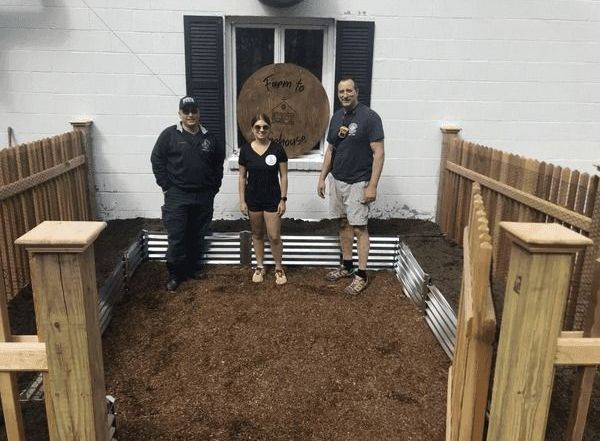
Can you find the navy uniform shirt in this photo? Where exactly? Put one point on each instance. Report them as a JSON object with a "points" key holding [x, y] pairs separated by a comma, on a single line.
{"points": [[353, 157]]}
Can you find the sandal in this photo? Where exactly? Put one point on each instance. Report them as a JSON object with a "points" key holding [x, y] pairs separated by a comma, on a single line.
{"points": [[280, 278], [258, 275]]}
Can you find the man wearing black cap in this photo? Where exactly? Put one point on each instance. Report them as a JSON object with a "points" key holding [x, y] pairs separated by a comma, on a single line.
{"points": [[187, 162]]}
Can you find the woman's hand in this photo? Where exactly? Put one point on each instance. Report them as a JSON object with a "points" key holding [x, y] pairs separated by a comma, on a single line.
{"points": [[281, 208], [244, 208]]}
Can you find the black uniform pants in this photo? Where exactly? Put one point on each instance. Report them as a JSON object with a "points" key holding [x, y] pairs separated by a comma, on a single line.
{"points": [[186, 217]]}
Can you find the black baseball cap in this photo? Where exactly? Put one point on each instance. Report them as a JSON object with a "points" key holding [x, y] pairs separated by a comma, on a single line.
{"points": [[188, 103]]}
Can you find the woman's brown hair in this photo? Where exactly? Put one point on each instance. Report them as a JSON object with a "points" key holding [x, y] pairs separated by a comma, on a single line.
{"points": [[260, 116]]}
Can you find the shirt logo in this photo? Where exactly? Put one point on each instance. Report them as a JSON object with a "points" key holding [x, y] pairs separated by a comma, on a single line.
{"points": [[352, 128], [206, 145], [270, 159]]}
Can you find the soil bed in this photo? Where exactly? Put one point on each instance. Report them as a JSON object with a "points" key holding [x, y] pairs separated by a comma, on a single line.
{"points": [[225, 358]]}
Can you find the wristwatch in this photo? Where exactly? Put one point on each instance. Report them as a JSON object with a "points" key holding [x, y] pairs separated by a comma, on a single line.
{"points": [[284, 198]]}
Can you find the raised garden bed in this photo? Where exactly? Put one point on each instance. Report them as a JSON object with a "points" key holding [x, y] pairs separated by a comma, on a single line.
{"points": [[391, 381]]}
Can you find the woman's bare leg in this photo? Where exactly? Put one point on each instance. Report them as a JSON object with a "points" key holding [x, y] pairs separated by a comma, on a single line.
{"points": [[257, 224], [273, 223]]}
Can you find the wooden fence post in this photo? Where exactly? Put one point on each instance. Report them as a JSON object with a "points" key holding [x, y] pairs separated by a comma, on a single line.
{"points": [[582, 390], [85, 127], [540, 267], [63, 279], [11, 407], [449, 134]]}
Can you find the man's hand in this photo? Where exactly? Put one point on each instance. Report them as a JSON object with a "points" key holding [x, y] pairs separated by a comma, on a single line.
{"points": [[369, 194], [321, 188]]}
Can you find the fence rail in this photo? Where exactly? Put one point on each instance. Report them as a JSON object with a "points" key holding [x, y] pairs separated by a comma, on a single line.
{"points": [[517, 188], [40, 180]]}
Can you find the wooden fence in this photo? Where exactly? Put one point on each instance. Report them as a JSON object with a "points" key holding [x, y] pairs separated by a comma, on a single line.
{"points": [[469, 376], [40, 180], [516, 188], [68, 347]]}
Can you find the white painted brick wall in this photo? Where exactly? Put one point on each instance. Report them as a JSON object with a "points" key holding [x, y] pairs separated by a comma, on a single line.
{"points": [[517, 75]]}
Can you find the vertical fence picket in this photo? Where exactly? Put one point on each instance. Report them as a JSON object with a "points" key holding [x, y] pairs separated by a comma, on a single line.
{"points": [[17, 217], [451, 188], [574, 287], [34, 190], [4, 240], [543, 186], [582, 188], [68, 179], [455, 186], [554, 189], [82, 173], [563, 190], [45, 193], [456, 227]]}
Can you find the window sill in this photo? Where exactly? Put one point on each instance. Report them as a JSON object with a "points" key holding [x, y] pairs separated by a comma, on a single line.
{"points": [[307, 162]]}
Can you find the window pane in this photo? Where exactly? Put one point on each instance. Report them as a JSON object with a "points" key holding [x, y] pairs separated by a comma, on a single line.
{"points": [[304, 47], [253, 50]]}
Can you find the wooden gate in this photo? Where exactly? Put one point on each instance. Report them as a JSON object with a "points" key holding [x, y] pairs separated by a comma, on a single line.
{"points": [[469, 374]]}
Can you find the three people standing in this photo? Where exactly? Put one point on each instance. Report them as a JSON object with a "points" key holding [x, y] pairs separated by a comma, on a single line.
{"points": [[187, 162]]}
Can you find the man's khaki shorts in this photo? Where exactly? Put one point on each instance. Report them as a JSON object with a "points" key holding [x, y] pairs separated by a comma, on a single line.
{"points": [[345, 200]]}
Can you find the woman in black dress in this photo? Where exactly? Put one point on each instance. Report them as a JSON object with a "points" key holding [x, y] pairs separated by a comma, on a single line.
{"points": [[263, 184]]}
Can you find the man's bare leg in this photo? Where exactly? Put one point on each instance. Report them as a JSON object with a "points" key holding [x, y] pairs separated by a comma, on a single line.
{"points": [[360, 281], [363, 245], [346, 238]]}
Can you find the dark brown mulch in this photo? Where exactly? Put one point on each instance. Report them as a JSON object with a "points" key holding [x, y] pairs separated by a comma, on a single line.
{"points": [[228, 359]]}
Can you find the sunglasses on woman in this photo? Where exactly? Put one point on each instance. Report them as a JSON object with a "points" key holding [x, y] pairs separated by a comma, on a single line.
{"points": [[258, 127]]}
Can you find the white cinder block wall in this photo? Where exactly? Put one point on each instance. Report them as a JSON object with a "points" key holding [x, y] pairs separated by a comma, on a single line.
{"points": [[521, 75]]}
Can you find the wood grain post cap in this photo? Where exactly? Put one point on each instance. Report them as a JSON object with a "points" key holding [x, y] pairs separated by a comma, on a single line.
{"points": [[450, 129], [545, 237], [83, 122], [61, 236]]}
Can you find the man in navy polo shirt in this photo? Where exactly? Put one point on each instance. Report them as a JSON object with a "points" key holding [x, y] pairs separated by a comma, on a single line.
{"points": [[187, 161], [354, 156]]}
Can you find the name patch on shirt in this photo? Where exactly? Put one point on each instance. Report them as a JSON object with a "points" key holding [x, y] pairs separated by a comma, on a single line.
{"points": [[271, 160]]}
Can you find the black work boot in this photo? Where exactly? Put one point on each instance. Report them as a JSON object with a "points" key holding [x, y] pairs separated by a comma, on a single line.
{"points": [[175, 276]]}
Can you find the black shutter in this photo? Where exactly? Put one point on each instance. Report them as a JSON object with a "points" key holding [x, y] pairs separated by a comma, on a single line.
{"points": [[354, 56], [204, 70]]}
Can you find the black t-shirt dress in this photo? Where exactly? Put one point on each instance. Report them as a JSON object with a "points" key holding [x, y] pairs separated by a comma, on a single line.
{"points": [[263, 192]]}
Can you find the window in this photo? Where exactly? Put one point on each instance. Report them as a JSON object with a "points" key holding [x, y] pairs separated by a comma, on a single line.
{"points": [[256, 44], [220, 53]]}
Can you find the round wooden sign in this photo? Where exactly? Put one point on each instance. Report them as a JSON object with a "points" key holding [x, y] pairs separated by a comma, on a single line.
{"points": [[295, 101]]}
